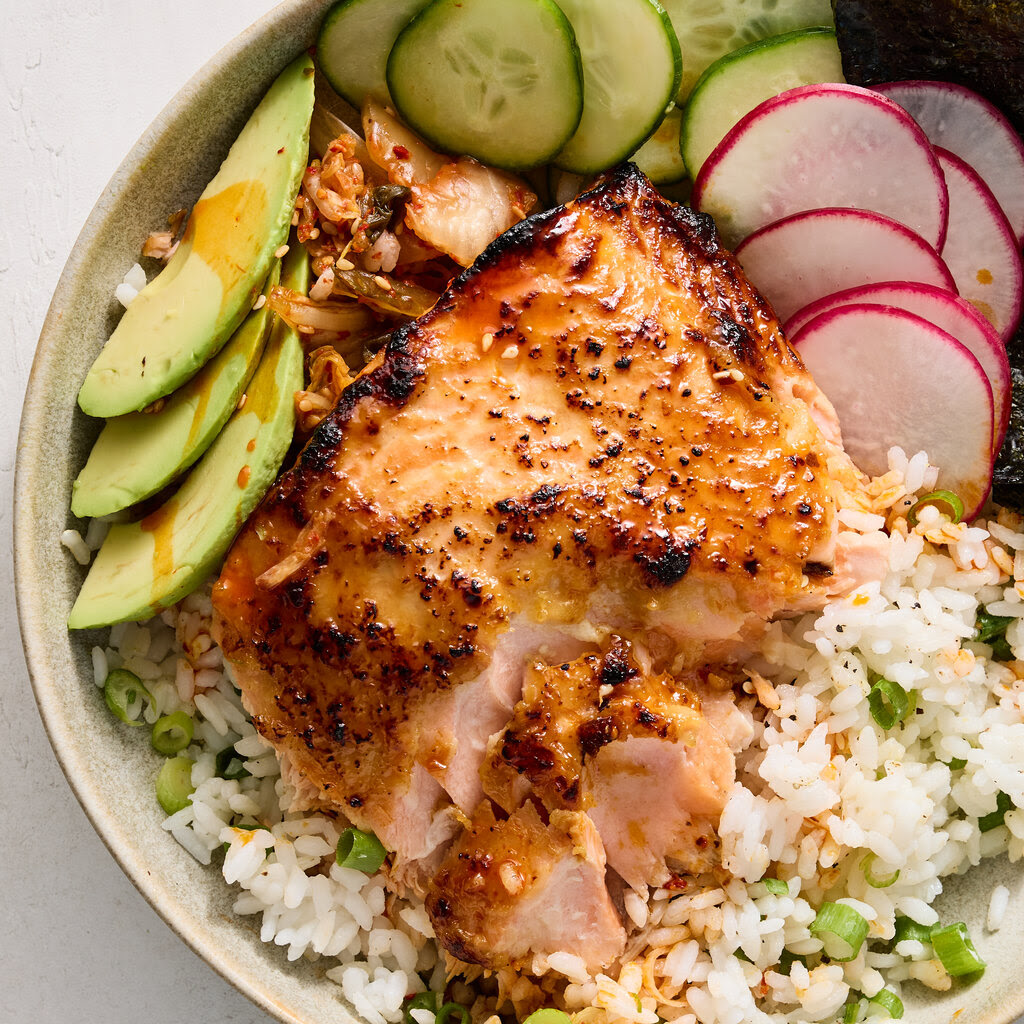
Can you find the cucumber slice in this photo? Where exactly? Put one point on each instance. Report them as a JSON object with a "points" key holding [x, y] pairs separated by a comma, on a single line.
{"points": [[739, 81], [499, 80], [631, 69], [659, 157], [354, 42], [709, 29]]}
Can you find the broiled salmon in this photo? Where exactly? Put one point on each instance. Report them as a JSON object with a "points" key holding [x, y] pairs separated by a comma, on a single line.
{"points": [[598, 431]]}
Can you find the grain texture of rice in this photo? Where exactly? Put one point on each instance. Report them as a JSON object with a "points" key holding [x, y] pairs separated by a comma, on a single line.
{"points": [[825, 802]]}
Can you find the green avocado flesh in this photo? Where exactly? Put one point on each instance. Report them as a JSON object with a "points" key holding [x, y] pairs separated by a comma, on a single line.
{"points": [[145, 566], [137, 454], [184, 316]]}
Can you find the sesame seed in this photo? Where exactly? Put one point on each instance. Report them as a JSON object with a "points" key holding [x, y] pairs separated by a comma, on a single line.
{"points": [[510, 352], [382, 282], [343, 264], [242, 401], [282, 250], [260, 302], [488, 341]]}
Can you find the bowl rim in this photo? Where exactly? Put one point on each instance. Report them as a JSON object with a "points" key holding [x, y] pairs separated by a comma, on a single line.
{"points": [[28, 601]]}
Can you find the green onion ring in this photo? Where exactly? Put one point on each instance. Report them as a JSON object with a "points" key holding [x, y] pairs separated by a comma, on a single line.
{"points": [[446, 1011], [421, 1001], [121, 689], [890, 1002], [776, 886], [174, 787], [873, 880], [851, 1012], [954, 506], [172, 733], [362, 851], [954, 948], [548, 1016], [908, 929], [842, 931], [889, 703]]}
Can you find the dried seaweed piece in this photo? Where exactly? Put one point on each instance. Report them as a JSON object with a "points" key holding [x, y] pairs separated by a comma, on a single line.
{"points": [[977, 43]]}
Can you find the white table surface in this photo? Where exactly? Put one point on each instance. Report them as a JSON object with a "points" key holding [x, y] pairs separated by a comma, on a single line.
{"points": [[79, 82]]}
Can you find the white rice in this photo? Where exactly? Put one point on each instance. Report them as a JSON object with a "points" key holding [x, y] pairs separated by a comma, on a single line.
{"points": [[824, 798], [133, 283]]}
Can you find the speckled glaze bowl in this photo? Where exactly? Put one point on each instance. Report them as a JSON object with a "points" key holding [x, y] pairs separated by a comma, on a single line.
{"points": [[110, 768]]}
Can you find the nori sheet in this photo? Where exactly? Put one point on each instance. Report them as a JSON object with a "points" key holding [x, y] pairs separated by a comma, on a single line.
{"points": [[976, 43]]}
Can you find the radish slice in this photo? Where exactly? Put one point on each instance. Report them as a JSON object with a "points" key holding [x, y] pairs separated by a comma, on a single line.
{"points": [[981, 248], [963, 122], [896, 379], [802, 258], [951, 313], [823, 146]]}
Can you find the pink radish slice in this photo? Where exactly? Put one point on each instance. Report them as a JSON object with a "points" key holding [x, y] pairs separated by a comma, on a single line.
{"points": [[809, 255], [949, 312], [964, 123], [981, 249], [896, 379], [823, 146]]}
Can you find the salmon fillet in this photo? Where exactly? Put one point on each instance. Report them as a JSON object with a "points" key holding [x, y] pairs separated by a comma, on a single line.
{"points": [[598, 430]]}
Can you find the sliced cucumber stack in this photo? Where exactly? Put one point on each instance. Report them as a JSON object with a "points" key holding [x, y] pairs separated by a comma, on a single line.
{"points": [[739, 81], [499, 80], [631, 69], [659, 157], [354, 42], [709, 29]]}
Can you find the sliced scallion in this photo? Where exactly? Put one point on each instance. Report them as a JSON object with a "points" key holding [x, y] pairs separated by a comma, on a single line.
{"points": [[954, 948], [874, 880], [230, 765], [123, 691], [445, 1014], [852, 1012], [776, 886], [908, 929], [174, 784], [362, 851], [957, 764], [991, 629], [841, 929], [954, 507], [172, 733], [994, 819], [890, 1002], [889, 703], [420, 1001], [548, 1015]]}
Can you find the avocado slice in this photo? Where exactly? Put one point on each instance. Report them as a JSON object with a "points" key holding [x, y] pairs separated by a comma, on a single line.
{"points": [[138, 453], [145, 566], [187, 313]]}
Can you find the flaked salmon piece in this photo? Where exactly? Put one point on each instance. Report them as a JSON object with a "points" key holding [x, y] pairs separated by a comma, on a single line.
{"points": [[633, 750], [598, 430], [515, 888]]}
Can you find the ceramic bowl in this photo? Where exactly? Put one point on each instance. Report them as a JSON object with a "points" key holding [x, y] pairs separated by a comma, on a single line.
{"points": [[110, 768]]}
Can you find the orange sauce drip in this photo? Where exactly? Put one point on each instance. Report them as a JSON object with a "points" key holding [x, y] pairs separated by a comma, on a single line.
{"points": [[243, 476], [226, 230], [161, 524]]}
